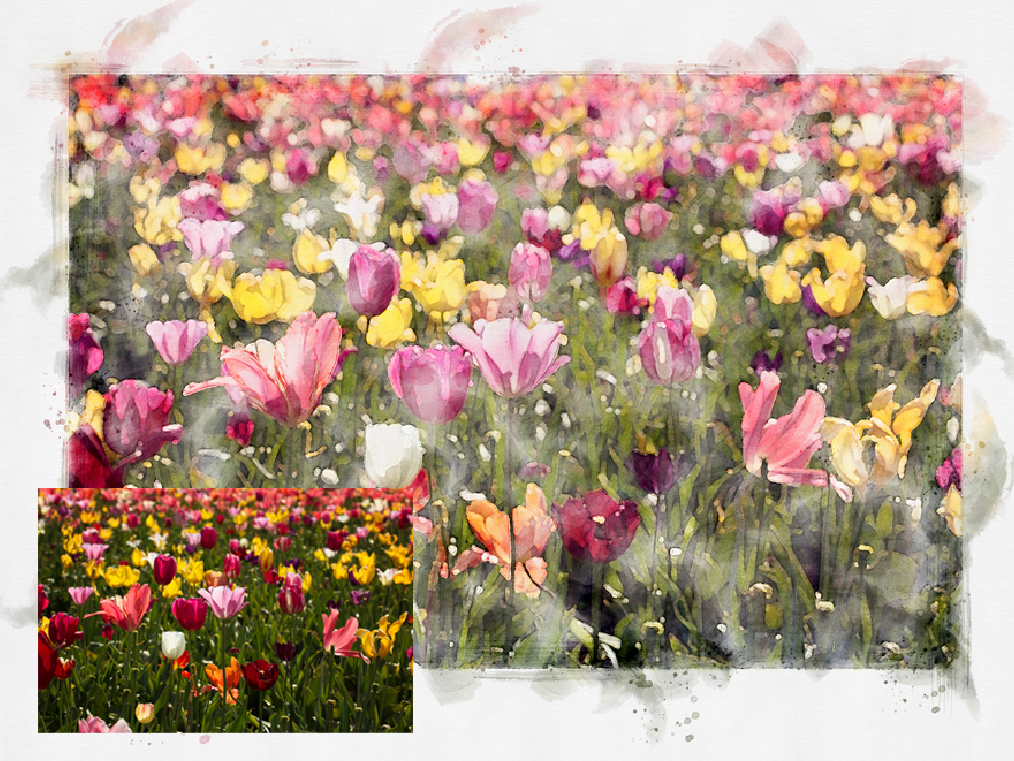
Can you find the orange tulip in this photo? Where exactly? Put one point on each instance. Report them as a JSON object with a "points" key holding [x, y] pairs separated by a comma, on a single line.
{"points": [[231, 677]]}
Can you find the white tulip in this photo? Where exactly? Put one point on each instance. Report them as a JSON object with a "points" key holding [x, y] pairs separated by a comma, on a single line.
{"points": [[393, 455], [174, 644], [889, 299]]}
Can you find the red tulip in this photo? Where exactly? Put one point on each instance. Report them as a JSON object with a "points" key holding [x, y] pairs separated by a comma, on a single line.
{"points": [[260, 674], [43, 600], [47, 661], [85, 353], [63, 630], [64, 668], [597, 528], [190, 614], [165, 569], [209, 537], [230, 566]]}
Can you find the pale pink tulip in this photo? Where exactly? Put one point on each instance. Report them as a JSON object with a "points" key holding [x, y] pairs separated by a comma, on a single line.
{"points": [[176, 340], [512, 357], [225, 602], [209, 238], [93, 724], [786, 443], [126, 612]]}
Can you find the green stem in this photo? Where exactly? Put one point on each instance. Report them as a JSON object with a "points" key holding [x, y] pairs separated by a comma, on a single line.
{"points": [[508, 639], [292, 457], [598, 571]]}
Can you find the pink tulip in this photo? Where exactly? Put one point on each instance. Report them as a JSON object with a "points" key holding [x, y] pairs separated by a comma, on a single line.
{"points": [[200, 201], [225, 602], [284, 380], [176, 340], [374, 277], [85, 353], [530, 271], [535, 223], [340, 641], [669, 350], [80, 594], [786, 443], [135, 419], [94, 724], [128, 611], [512, 357], [209, 238], [433, 383], [94, 552], [476, 204], [648, 220]]}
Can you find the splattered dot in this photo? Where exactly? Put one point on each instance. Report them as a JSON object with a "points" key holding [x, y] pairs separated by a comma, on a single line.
{"points": [[688, 738], [935, 709], [264, 43], [205, 739], [695, 715]]}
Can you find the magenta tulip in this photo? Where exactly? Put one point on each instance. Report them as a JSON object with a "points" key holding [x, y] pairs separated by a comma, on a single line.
{"points": [[165, 569], [670, 352], [373, 280], [209, 537], [176, 340], [476, 204], [135, 420], [85, 353], [512, 357], [433, 383], [190, 614]]}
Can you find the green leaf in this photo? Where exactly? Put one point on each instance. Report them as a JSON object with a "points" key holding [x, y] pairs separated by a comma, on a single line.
{"points": [[885, 521]]}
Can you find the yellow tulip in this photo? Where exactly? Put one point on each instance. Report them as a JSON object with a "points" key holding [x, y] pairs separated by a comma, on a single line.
{"points": [[338, 168], [95, 570], [890, 209], [705, 308], [237, 196], [142, 190], [733, 246], [122, 576], [156, 221], [254, 171], [391, 326], [196, 161], [440, 287], [923, 247], [173, 589], [144, 260], [931, 297], [951, 511], [340, 571], [206, 283], [839, 256], [306, 253], [780, 283], [375, 644], [192, 571], [840, 294], [275, 295], [648, 284], [471, 154], [796, 253], [137, 558]]}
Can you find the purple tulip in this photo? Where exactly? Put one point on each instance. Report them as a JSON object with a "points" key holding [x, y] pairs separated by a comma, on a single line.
{"points": [[176, 340], [530, 271], [209, 238], [85, 353], [764, 362], [677, 265], [811, 303], [135, 420], [374, 277], [654, 473], [433, 383], [476, 204], [512, 357], [828, 344]]}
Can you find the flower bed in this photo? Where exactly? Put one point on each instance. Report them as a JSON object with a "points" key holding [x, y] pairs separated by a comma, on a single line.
{"points": [[681, 349]]}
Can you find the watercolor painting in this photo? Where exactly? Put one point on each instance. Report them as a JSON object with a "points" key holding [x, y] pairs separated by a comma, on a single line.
{"points": [[672, 361], [224, 610]]}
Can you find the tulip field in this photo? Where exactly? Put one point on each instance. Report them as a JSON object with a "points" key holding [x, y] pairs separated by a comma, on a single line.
{"points": [[225, 610], [670, 362]]}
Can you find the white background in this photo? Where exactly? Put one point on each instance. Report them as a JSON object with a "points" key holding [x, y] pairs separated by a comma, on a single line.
{"points": [[577, 715]]}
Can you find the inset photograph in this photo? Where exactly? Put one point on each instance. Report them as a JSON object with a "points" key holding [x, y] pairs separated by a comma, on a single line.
{"points": [[225, 610]]}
